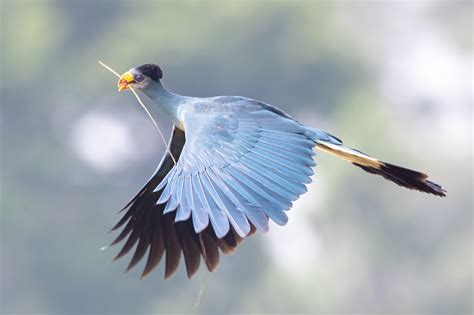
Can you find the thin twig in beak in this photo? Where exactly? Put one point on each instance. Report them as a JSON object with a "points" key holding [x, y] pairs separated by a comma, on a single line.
{"points": [[146, 110]]}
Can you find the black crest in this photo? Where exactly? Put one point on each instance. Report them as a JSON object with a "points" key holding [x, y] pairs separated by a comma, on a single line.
{"points": [[152, 71]]}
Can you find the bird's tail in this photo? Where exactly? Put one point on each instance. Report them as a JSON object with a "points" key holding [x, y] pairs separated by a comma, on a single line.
{"points": [[397, 174]]}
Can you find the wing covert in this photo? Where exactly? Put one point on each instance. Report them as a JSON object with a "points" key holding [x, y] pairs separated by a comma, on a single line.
{"points": [[147, 228], [242, 164]]}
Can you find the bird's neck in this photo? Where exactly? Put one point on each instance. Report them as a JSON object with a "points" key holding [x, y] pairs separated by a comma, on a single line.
{"points": [[167, 100]]}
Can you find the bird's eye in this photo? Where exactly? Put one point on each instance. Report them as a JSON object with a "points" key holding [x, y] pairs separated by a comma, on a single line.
{"points": [[139, 78]]}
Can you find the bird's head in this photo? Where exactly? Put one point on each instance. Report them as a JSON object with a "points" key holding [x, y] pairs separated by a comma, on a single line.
{"points": [[140, 78]]}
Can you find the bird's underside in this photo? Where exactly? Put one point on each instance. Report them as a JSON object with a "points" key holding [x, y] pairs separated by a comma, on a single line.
{"points": [[240, 163]]}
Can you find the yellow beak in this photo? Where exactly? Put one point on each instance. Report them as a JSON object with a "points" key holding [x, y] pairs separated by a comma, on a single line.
{"points": [[124, 82]]}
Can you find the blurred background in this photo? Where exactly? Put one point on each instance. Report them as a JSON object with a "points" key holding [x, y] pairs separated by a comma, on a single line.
{"points": [[393, 79]]}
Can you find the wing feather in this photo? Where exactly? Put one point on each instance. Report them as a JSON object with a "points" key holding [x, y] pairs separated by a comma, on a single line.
{"points": [[224, 208], [216, 216], [257, 188], [282, 173], [185, 201], [233, 209], [157, 247], [200, 218], [276, 174], [284, 161], [255, 214], [276, 188], [146, 223], [270, 209], [210, 251], [172, 246], [190, 246], [240, 164]]}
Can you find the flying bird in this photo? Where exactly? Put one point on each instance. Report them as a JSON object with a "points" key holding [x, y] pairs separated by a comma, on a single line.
{"points": [[239, 163]]}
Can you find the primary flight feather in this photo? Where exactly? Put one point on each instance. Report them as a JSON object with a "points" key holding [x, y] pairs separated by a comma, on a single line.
{"points": [[240, 162]]}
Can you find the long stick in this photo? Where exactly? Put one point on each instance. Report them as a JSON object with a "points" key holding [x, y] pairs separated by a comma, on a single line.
{"points": [[146, 110]]}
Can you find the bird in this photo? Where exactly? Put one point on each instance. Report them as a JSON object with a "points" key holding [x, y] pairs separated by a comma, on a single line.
{"points": [[232, 165]]}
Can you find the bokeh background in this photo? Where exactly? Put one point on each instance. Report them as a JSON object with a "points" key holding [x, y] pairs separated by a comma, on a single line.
{"points": [[393, 79]]}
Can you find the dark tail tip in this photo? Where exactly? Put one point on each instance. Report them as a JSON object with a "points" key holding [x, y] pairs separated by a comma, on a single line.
{"points": [[406, 178]]}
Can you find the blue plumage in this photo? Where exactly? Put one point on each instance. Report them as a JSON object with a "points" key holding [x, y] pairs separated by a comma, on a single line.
{"points": [[224, 149], [240, 163]]}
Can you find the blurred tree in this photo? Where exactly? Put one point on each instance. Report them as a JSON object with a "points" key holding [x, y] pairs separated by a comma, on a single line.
{"points": [[383, 249]]}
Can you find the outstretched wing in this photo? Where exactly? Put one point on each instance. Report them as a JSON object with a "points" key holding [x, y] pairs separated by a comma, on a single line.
{"points": [[243, 162], [145, 223]]}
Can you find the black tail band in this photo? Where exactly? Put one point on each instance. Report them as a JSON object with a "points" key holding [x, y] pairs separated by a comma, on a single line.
{"points": [[406, 178]]}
